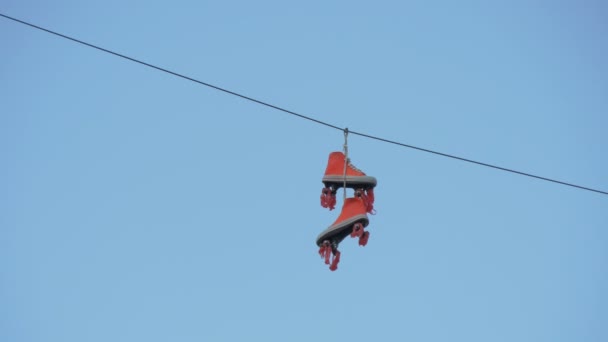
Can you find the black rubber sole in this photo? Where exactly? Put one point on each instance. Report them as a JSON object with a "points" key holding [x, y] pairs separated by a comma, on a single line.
{"points": [[337, 182], [341, 231]]}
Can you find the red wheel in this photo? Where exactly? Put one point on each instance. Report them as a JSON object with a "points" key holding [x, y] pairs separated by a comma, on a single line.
{"points": [[325, 251], [324, 197], [363, 239], [357, 230]]}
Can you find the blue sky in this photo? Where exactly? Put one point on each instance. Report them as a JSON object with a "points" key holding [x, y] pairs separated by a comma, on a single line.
{"points": [[136, 206]]}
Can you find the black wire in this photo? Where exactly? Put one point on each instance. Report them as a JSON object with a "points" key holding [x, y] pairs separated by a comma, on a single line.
{"points": [[300, 115], [170, 72], [478, 163]]}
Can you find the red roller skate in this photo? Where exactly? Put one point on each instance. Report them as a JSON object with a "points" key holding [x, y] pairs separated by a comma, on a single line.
{"points": [[352, 221], [334, 178]]}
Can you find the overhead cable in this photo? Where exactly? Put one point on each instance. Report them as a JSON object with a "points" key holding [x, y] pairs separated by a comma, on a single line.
{"points": [[297, 114]]}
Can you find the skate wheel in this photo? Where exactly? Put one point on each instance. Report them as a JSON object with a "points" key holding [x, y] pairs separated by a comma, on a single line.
{"points": [[363, 239], [324, 193], [357, 230], [335, 261], [328, 198], [325, 251]]}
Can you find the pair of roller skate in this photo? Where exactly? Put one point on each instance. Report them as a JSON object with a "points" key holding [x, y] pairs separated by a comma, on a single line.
{"points": [[340, 173]]}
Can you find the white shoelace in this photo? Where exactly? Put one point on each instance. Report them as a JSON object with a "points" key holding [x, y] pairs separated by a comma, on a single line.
{"points": [[352, 166]]}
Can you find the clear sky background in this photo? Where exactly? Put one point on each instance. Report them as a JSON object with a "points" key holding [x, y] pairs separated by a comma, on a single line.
{"points": [[136, 206]]}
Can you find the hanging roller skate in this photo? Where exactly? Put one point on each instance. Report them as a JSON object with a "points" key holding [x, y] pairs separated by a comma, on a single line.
{"points": [[352, 220], [341, 173]]}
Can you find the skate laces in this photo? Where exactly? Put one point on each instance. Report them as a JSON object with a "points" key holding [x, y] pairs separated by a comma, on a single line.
{"points": [[350, 165]]}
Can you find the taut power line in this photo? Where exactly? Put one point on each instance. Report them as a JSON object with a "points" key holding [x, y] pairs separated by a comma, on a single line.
{"points": [[300, 115]]}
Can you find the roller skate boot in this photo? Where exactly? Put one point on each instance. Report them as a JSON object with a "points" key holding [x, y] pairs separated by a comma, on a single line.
{"points": [[352, 221], [334, 178]]}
